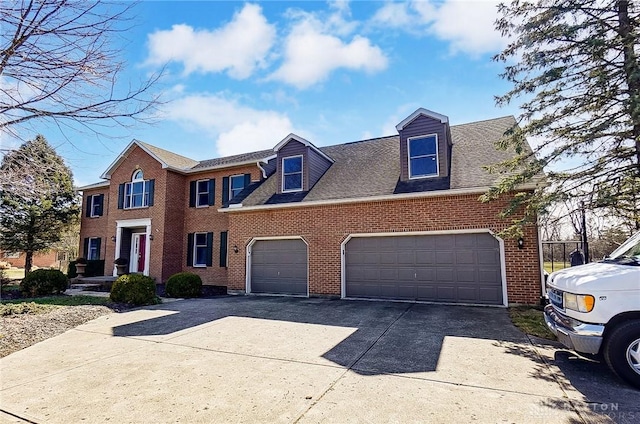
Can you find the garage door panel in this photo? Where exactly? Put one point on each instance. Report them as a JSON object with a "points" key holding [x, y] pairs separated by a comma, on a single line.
{"points": [[425, 257], [446, 268], [279, 267], [488, 257], [446, 293], [468, 275], [465, 257], [444, 257], [445, 275], [490, 295]]}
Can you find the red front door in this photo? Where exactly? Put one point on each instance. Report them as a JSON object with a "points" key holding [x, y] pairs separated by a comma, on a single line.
{"points": [[141, 252]]}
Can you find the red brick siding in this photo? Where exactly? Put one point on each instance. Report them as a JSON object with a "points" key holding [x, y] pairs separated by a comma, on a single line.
{"points": [[96, 226], [40, 260], [208, 219], [326, 227], [138, 158]]}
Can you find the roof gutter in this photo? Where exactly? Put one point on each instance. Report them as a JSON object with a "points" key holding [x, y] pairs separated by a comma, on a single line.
{"points": [[383, 198]]}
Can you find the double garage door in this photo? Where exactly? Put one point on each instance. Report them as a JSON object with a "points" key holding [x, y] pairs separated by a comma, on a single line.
{"points": [[456, 268]]}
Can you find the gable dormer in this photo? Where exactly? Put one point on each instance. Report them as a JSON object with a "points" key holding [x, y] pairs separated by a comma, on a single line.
{"points": [[299, 164], [425, 149]]}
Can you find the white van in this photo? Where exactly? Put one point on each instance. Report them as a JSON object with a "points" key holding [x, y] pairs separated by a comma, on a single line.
{"points": [[595, 309]]}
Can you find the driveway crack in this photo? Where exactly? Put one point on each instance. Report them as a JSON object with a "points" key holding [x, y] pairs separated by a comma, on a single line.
{"points": [[353, 363]]}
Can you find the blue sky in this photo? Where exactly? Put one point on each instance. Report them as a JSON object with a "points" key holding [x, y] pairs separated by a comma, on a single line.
{"points": [[240, 76]]}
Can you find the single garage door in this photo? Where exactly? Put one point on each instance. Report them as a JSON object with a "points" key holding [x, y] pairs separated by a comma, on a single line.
{"points": [[458, 268], [279, 267]]}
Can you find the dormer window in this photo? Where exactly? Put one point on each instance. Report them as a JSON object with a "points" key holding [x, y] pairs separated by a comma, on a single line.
{"points": [[423, 156], [292, 173]]}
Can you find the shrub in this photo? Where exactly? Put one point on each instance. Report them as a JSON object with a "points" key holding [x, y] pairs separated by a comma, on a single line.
{"points": [[135, 289], [184, 284], [43, 282]]}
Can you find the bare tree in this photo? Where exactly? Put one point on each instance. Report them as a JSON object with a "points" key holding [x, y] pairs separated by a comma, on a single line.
{"points": [[60, 61]]}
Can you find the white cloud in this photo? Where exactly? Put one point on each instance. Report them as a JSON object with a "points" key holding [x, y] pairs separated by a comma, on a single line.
{"points": [[239, 47], [234, 127], [313, 50], [467, 25]]}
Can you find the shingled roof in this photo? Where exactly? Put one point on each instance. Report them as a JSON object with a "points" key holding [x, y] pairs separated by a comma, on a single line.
{"points": [[234, 160], [372, 167]]}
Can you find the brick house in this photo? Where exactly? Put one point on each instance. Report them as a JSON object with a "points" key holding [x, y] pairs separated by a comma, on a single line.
{"points": [[395, 217]]}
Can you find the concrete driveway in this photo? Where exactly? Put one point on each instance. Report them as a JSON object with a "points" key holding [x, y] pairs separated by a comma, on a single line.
{"points": [[261, 359]]}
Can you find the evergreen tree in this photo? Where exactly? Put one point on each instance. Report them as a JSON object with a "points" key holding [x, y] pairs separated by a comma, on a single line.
{"points": [[37, 199], [574, 67]]}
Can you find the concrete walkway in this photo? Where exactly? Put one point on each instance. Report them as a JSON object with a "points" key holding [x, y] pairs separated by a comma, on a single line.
{"points": [[258, 359]]}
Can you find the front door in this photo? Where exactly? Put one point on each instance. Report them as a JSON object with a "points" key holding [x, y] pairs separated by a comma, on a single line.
{"points": [[138, 249]]}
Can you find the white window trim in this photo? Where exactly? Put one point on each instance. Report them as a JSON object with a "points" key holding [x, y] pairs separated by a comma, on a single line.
{"points": [[91, 239], [198, 205], [231, 196], [301, 174], [92, 214], [195, 245], [437, 173]]}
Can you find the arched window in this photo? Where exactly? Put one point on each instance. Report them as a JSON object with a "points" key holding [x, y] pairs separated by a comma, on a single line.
{"points": [[136, 193]]}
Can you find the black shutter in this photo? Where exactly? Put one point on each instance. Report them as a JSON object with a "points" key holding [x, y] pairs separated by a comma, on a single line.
{"points": [[225, 190], [209, 249], [121, 196], [212, 191], [190, 249], [151, 184], [98, 243], [86, 247], [88, 207], [247, 180], [100, 210], [192, 194], [223, 248]]}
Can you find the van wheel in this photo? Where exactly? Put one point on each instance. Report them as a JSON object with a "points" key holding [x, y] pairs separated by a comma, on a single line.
{"points": [[622, 352]]}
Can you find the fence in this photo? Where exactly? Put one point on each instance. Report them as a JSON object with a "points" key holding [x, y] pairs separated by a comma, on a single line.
{"points": [[559, 254]]}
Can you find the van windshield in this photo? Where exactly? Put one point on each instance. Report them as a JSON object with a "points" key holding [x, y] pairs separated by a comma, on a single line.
{"points": [[629, 251]]}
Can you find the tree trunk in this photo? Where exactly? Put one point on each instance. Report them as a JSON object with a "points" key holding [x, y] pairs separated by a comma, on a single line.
{"points": [[632, 72], [28, 261]]}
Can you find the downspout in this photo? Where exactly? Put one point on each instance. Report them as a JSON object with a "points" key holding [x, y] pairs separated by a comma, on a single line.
{"points": [[264, 173]]}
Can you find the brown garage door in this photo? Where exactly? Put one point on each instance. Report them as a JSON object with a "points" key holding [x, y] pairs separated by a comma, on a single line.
{"points": [[458, 268], [279, 267]]}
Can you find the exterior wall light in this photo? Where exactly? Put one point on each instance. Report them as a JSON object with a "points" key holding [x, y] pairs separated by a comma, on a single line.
{"points": [[235, 248], [520, 243], [113, 238]]}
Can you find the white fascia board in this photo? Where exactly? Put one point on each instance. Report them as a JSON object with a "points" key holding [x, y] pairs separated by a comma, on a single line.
{"points": [[422, 112], [122, 156], [303, 141], [217, 167], [94, 185], [382, 198]]}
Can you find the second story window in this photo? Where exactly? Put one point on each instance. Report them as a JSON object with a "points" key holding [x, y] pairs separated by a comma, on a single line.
{"points": [[236, 184], [292, 173], [202, 195], [136, 194], [423, 156], [95, 205]]}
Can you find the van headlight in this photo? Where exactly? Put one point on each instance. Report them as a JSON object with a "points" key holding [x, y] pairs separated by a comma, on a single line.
{"points": [[579, 302]]}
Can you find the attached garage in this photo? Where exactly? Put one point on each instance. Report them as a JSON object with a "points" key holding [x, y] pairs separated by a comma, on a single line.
{"points": [[452, 268], [278, 267]]}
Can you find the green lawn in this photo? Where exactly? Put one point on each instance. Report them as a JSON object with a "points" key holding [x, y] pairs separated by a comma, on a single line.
{"points": [[530, 320], [62, 300], [556, 266], [14, 273]]}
